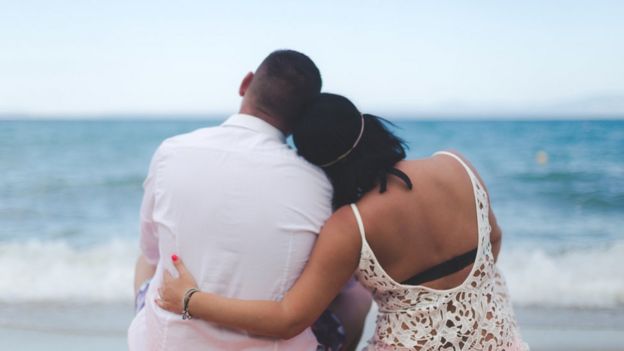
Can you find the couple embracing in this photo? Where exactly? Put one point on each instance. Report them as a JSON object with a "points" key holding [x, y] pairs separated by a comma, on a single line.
{"points": [[248, 244]]}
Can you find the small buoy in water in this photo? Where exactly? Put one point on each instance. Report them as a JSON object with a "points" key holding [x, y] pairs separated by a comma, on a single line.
{"points": [[541, 157]]}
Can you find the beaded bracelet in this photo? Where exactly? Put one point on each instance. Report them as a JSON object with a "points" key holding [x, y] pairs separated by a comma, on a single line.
{"points": [[187, 297]]}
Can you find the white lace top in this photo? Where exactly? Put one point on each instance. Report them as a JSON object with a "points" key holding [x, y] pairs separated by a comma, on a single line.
{"points": [[476, 315]]}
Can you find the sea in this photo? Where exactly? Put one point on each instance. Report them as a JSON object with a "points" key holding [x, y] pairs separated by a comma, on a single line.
{"points": [[70, 192]]}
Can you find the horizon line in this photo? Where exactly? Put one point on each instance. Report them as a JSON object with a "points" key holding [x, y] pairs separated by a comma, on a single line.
{"points": [[404, 116]]}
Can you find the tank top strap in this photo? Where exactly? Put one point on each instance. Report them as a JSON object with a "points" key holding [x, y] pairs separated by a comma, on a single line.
{"points": [[448, 153], [478, 191], [473, 178], [360, 223]]}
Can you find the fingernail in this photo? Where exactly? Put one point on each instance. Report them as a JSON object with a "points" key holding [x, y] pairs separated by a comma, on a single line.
{"points": [[174, 257]]}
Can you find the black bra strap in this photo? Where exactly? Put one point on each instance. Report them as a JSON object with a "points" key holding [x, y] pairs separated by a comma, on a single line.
{"points": [[402, 176], [383, 179], [443, 269]]}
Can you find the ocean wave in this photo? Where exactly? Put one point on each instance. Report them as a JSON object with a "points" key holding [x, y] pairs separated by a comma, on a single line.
{"points": [[598, 193], [57, 271], [556, 176], [51, 183], [38, 271], [576, 278]]}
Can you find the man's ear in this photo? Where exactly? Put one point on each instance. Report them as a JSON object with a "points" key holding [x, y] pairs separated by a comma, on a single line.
{"points": [[245, 84]]}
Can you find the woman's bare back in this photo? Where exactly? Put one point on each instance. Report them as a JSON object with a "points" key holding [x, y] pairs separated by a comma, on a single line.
{"points": [[412, 231]]}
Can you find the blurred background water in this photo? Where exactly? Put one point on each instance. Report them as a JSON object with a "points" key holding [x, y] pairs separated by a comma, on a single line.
{"points": [[70, 192]]}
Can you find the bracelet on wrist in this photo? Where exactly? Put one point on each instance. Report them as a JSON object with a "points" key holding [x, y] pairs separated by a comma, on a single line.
{"points": [[185, 303]]}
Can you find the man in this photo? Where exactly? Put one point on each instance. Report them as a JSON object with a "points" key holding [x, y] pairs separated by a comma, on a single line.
{"points": [[238, 206]]}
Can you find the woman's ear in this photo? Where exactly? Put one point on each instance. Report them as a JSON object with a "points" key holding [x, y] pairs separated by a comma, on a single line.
{"points": [[245, 83]]}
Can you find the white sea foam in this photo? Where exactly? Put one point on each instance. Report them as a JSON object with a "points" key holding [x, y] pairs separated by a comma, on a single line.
{"points": [[56, 271], [577, 278]]}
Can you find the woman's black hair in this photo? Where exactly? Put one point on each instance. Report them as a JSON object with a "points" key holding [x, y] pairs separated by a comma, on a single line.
{"points": [[329, 128]]}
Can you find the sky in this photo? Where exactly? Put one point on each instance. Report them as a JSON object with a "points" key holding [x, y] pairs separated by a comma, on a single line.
{"points": [[408, 58]]}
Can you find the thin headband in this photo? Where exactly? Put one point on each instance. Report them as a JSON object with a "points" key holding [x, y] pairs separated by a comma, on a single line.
{"points": [[357, 141]]}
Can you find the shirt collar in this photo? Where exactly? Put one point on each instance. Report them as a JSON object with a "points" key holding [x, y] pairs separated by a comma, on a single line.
{"points": [[256, 124]]}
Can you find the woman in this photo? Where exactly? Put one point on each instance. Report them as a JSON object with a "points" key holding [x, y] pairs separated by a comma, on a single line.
{"points": [[419, 234]]}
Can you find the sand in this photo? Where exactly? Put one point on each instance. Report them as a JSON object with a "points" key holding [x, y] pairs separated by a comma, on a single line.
{"points": [[102, 326]]}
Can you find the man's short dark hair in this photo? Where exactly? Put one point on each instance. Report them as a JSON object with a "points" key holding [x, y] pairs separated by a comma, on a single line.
{"points": [[285, 83]]}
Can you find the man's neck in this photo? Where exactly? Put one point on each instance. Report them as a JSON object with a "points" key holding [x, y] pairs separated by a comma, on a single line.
{"points": [[258, 113]]}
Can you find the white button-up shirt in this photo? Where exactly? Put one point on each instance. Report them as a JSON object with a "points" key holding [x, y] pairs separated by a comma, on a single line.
{"points": [[243, 211]]}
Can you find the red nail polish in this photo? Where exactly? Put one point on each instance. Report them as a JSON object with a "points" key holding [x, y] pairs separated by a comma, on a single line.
{"points": [[174, 257]]}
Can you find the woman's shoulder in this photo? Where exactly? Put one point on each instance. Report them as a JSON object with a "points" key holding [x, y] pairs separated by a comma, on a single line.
{"points": [[343, 220], [443, 172], [446, 157], [449, 153]]}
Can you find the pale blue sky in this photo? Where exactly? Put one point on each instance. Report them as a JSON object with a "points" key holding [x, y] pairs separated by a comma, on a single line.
{"points": [[397, 57]]}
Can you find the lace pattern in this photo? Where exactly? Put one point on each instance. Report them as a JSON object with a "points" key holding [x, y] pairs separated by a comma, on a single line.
{"points": [[475, 315]]}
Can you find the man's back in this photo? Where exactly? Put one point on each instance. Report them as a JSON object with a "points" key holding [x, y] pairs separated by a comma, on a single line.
{"points": [[242, 210]]}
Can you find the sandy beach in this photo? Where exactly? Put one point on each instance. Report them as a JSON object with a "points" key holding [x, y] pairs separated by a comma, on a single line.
{"points": [[103, 327]]}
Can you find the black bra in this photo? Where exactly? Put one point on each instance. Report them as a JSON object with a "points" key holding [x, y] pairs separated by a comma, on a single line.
{"points": [[443, 269]]}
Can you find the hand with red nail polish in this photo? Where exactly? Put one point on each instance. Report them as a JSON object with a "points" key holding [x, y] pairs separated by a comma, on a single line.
{"points": [[171, 293]]}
